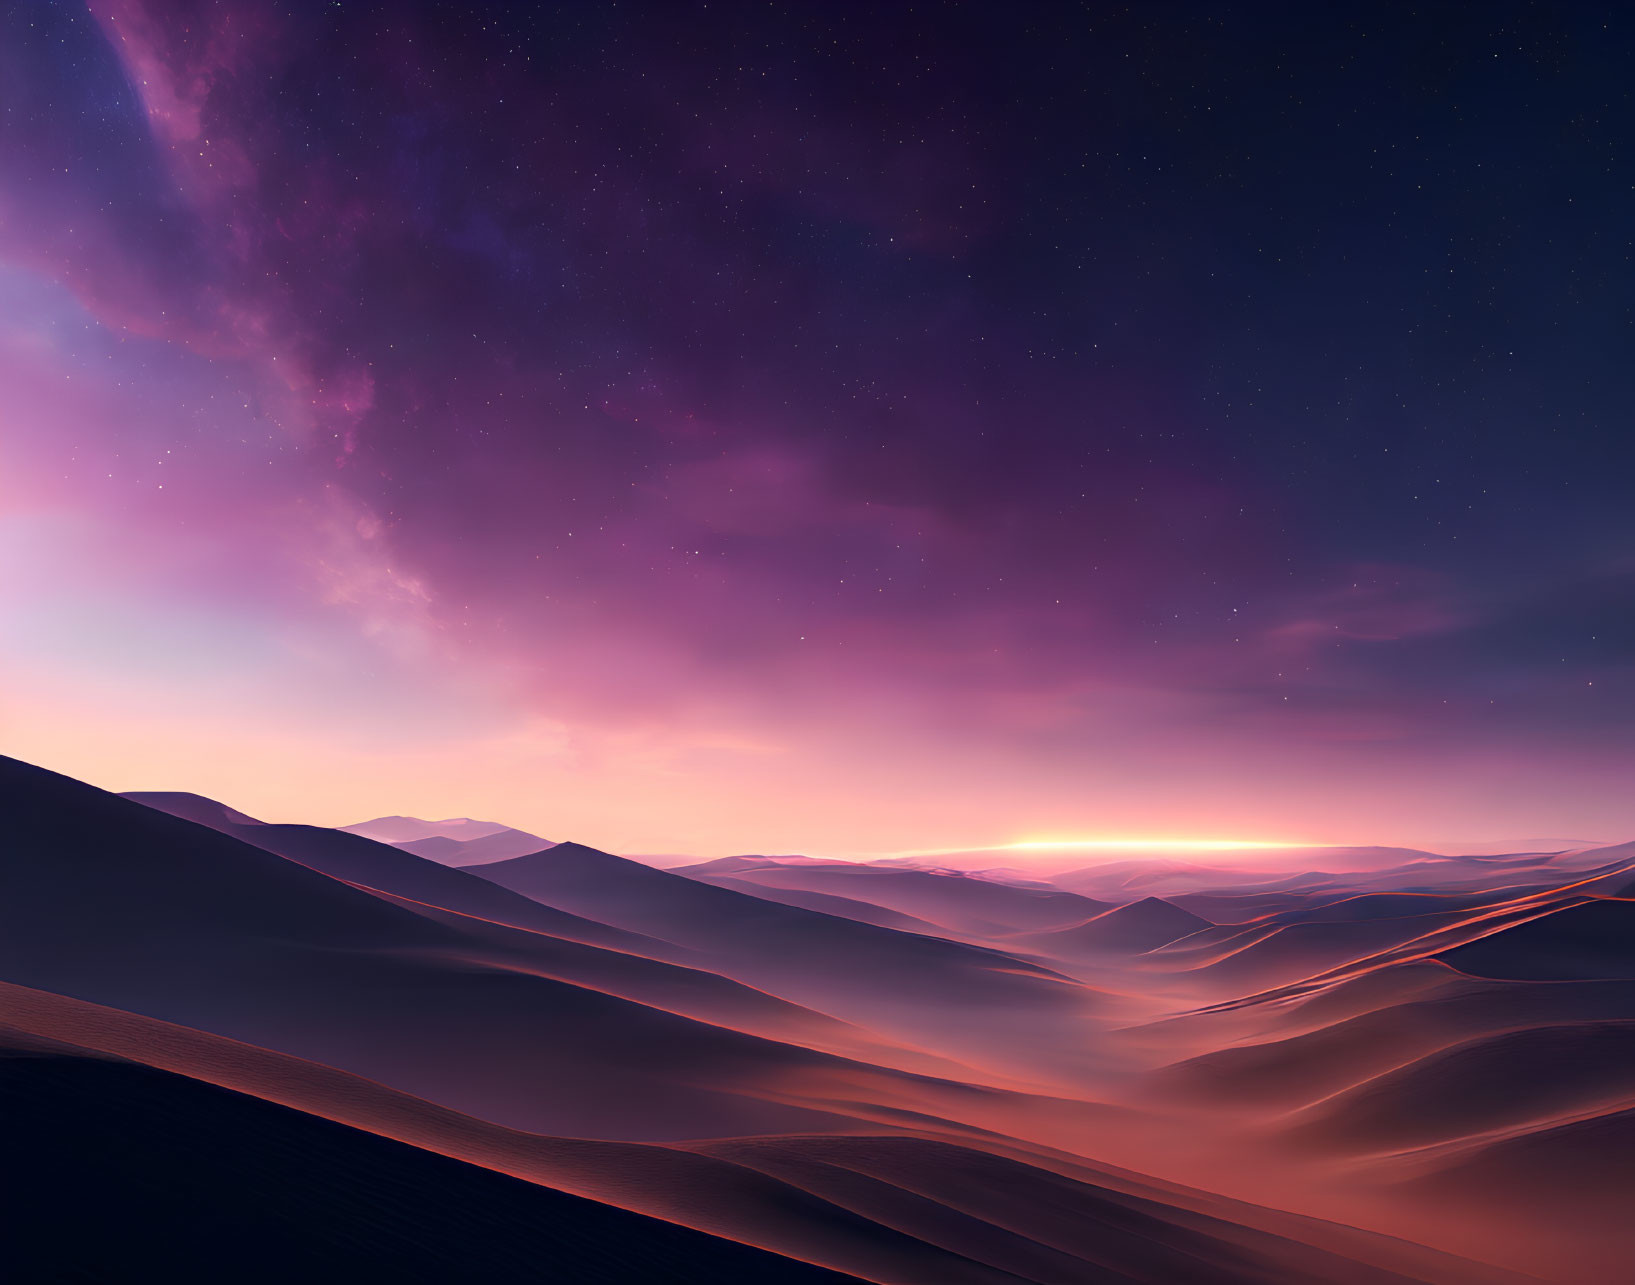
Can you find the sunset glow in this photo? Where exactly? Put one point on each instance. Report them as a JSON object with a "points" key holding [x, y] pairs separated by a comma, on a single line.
{"points": [[1197, 845], [1047, 846], [859, 519], [841, 488]]}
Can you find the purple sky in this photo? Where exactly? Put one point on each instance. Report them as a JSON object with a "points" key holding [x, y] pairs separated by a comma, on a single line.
{"points": [[711, 429]]}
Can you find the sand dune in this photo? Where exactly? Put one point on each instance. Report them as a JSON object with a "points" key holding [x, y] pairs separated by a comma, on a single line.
{"points": [[1276, 954], [1588, 940], [674, 1184], [1131, 929], [474, 852], [739, 864], [1496, 1082], [382, 866], [684, 911], [111, 901], [132, 1171], [1239, 908], [1300, 1069], [912, 1208], [1035, 1224], [555, 944], [960, 903], [1579, 1171], [925, 987], [1366, 991], [1272, 869], [1290, 951], [400, 829], [780, 1068], [1553, 1201], [827, 903], [1381, 905]]}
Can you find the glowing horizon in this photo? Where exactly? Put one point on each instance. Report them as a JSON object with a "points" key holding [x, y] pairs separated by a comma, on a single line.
{"points": [[887, 518], [1178, 845], [1222, 844]]}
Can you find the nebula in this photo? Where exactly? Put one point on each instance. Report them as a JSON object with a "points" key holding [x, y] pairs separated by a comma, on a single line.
{"points": [[649, 422]]}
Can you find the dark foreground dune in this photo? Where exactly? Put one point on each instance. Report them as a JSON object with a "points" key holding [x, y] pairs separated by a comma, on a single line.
{"points": [[908, 1206], [130, 1173]]}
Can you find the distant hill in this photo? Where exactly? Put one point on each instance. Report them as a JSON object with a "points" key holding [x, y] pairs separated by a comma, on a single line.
{"points": [[1140, 926], [502, 845], [407, 829]]}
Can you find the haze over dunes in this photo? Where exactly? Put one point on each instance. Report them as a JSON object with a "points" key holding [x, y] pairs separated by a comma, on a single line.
{"points": [[458, 841], [920, 1075], [912, 644]]}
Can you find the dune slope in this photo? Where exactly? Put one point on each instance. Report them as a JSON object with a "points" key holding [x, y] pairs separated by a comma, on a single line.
{"points": [[131, 1170]]}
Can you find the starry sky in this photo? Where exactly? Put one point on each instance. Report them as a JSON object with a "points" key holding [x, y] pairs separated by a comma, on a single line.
{"points": [[829, 428]]}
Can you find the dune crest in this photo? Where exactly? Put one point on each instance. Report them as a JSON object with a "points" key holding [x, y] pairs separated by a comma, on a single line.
{"points": [[804, 1070]]}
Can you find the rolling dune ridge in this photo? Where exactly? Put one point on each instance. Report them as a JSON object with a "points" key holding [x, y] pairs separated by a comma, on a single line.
{"points": [[784, 1069]]}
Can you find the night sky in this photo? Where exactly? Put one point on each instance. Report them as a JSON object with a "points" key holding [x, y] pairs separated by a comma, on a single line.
{"points": [[831, 428]]}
